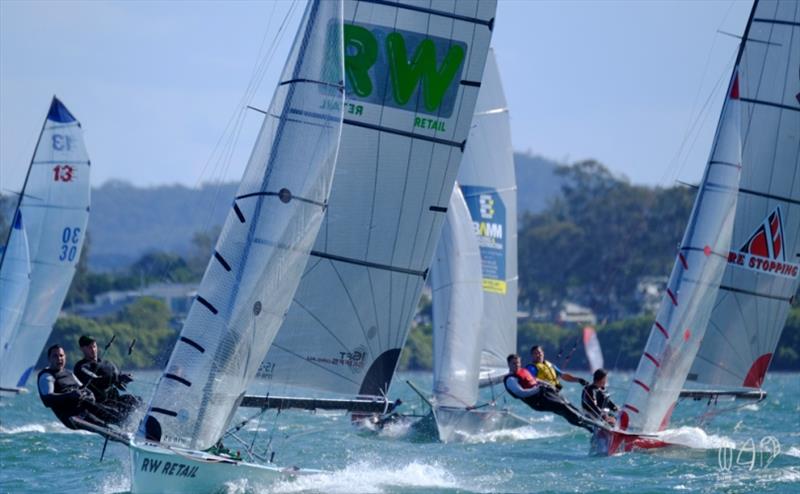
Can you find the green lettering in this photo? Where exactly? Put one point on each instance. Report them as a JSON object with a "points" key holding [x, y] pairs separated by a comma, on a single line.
{"points": [[405, 76], [357, 65]]}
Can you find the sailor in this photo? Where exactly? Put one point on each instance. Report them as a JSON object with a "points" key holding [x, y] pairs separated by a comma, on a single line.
{"points": [[104, 379], [595, 400], [545, 371], [62, 392], [539, 395]]}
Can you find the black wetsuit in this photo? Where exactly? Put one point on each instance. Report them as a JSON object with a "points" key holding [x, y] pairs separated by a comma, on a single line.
{"points": [[107, 385], [548, 400], [68, 399], [595, 401]]}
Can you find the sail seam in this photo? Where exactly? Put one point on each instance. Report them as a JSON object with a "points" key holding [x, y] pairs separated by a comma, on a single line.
{"points": [[425, 10], [381, 128], [385, 267], [726, 163]]}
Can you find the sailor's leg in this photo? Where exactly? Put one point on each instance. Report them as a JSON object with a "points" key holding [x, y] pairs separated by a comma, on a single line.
{"points": [[553, 402]]}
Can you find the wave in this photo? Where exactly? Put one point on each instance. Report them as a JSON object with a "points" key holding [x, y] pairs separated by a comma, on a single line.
{"points": [[368, 478], [525, 433], [695, 437], [43, 428], [793, 451]]}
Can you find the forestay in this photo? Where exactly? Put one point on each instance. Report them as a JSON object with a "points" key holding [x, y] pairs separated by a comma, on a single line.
{"points": [[489, 185], [413, 75], [456, 283], [15, 281], [693, 284], [54, 205], [263, 248], [763, 268]]}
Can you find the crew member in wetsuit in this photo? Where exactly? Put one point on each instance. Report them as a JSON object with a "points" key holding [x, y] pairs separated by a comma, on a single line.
{"points": [[539, 395], [104, 379], [595, 400], [63, 393], [545, 371]]}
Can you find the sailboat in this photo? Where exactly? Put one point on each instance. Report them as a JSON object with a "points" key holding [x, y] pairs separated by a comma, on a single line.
{"points": [[755, 148], [43, 245], [396, 154], [474, 277], [340, 343], [255, 268], [763, 269]]}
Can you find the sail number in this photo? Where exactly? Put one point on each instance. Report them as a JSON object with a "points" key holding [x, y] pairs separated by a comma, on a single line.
{"points": [[63, 173], [69, 243], [62, 142]]}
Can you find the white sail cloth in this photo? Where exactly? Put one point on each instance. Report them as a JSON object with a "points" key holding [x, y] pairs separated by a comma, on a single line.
{"points": [[693, 284], [15, 280], [264, 244], [489, 184], [456, 283], [55, 207], [763, 269], [413, 75]]}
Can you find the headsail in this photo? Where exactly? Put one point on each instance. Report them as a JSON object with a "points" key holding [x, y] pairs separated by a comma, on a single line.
{"points": [[693, 284], [489, 185], [15, 280], [54, 205], [413, 75], [763, 269], [264, 245], [456, 282]]}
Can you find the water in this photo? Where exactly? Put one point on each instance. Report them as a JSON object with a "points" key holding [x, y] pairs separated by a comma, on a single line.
{"points": [[37, 454]]}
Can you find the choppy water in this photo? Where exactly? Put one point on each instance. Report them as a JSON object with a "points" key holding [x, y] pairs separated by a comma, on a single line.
{"points": [[37, 454]]}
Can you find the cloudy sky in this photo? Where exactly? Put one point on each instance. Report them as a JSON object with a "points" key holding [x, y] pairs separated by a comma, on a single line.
{"points": [[159, 86]]}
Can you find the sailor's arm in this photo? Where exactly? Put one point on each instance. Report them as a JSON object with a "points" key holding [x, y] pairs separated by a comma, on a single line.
{"points": [[519, 391], [50, 398]]}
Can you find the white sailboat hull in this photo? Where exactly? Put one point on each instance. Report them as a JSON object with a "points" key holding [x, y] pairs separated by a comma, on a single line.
{"points": [[174, 470], [457, 424]]}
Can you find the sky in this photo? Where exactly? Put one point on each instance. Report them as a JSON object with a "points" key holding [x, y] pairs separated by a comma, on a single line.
{"points": [[157, 85]]}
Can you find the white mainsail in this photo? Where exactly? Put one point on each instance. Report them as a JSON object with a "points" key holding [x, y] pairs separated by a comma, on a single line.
{"points": [[693, 284], [15, 280], [413, 76], [456, 283], [264, 245], [489, 184], [55, 206], [763, 269]]}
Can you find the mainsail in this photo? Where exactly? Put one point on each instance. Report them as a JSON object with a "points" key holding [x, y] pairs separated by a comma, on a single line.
{"points": [[54, 207], [15, 280], [591, 346], [413, 74], [763, 268], [489, 185], [693, 284], [456, 283], [264, 245]]}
